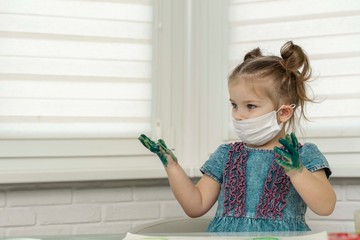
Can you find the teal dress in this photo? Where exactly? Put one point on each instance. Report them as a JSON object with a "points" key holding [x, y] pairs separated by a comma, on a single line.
{"points": [[256, 195]]}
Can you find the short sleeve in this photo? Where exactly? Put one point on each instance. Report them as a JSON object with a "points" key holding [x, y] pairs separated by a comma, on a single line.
{"points": [[215, 165], [313, 159]]}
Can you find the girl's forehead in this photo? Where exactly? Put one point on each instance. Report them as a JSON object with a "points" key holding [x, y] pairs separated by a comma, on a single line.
{"points": [[252, 88], [253, 81]]}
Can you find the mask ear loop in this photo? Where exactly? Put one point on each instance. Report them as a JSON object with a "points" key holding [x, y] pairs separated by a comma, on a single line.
{"points": [[291, 105]]}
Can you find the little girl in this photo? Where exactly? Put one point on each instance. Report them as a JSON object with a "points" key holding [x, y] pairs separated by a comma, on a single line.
{"points": [[266, 181]]}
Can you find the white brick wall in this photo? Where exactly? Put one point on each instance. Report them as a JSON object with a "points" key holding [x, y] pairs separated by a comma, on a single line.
{"points": [[348, 200], [115, 207]]}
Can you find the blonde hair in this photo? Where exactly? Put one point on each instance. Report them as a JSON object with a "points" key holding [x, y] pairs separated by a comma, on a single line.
{"points": [[289, 73]]}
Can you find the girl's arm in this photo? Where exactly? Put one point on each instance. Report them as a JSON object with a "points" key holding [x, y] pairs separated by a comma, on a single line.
{"points": [[197, 199], [315, 190]]}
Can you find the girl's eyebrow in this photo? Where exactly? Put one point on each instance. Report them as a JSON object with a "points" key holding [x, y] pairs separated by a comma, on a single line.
{"points": [[246, 101]]}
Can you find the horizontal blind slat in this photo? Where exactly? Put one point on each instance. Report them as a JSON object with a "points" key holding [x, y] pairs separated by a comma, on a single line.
{"points": [[81, 90], [80, 108], [56, 27], [296, 29], [279, 10], [332, 108], [75, 49], [74, 67], [315, 47], [70, 148], [88, 128], [328, 87], [80, 9]]}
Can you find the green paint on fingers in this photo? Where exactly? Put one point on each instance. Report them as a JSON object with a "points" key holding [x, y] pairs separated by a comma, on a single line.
{"points": [[289, 155], [159, 148]]}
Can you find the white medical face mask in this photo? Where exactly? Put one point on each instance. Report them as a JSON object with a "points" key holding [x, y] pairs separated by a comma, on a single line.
{"points": [[260, 130]]}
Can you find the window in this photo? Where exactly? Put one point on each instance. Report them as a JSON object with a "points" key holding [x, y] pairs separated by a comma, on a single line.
{"points": [[79, 73], [80, 80], [76, 88]]}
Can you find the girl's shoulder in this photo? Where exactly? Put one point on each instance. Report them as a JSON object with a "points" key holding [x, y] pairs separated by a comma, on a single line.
{"points": [[223, 148], [309, 148], [215, 165], [313, 159]]}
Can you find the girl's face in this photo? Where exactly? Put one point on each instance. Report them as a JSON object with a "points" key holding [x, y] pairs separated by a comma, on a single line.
{"points": [[247, 102]]}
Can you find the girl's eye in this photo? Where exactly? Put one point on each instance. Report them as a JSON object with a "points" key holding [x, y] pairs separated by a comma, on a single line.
{"points": [[234, 106], [251, 106]]}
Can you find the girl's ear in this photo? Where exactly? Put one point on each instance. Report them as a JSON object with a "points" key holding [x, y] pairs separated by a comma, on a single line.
{"points": [[285, 113]]}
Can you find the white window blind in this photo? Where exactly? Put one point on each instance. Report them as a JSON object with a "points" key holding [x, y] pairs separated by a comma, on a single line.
{"points": [[75, 89], [75, 68], [330, 34]]}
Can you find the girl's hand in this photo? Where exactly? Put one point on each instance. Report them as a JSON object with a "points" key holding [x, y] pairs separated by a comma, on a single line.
{"points": [[289, 156], [159, 149]]}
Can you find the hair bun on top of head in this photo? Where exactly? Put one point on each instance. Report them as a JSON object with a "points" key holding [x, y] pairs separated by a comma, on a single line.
{"points": [[256, 52], [295, 59]]}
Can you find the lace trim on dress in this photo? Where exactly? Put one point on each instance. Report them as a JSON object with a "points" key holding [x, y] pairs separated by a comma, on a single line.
{"points": [[276, 187], [235, 181]]}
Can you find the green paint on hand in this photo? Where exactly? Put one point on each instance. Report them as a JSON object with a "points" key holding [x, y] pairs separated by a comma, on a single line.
{"points": [[289, 156], [159, 148]]}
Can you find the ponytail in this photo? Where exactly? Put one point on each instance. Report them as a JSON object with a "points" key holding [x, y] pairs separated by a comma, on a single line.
{"points": [[298, 71]]}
